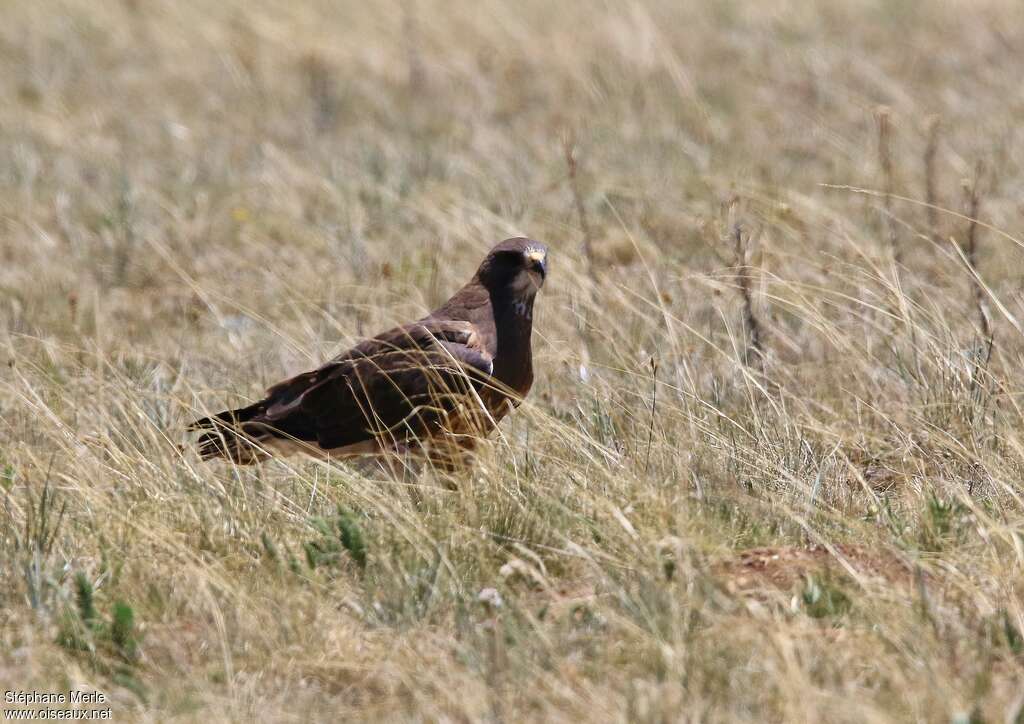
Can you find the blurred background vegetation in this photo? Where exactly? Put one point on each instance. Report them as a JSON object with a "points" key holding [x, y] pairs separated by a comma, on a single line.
{"points": [[771, 467]]}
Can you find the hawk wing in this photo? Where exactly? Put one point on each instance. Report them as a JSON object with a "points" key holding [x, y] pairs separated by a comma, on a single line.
{"points": [[403, 383]]}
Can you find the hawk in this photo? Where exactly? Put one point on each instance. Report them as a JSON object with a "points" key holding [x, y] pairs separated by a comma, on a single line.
{"points": [[433, 386]]}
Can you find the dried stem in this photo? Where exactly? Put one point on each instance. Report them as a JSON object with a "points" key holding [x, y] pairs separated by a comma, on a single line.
{"points": [[973, 207], [753, 355], [654, 411], [931, 195], [320, 84], [581, 210], [411, 39], [588, 240], [885, 162]]}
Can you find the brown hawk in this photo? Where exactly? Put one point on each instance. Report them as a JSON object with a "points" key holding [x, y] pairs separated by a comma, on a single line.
{"points": [[433, 386]]}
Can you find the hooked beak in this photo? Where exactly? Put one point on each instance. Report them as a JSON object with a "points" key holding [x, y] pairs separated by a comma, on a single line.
{"points": [[537, 261]]}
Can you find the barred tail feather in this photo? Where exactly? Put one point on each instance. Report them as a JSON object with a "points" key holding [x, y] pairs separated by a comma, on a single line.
{"points": [[227, 435]]}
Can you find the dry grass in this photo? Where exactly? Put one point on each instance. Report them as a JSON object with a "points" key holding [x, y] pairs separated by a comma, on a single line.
{"points": [[198, 198]]}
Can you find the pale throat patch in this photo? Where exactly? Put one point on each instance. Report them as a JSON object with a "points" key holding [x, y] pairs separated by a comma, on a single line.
{"points": [[524, 286]]}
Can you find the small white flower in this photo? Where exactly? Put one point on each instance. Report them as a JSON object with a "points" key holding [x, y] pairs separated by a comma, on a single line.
{"points": [[490, 597]]}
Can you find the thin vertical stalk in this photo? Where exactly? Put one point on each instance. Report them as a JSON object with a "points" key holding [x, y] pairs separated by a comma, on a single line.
{"points": [[753, 355], [888, 181], [931, 194]]}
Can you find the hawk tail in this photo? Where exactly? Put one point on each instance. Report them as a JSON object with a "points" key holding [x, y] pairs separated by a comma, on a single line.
{"points": [[232, 434]]}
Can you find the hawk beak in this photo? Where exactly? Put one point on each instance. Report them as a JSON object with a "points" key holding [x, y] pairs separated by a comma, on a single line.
{"points": [[537, 260]]}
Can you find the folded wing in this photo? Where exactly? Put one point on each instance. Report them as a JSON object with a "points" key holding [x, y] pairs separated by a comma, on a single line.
{"points": [[404, 383]]}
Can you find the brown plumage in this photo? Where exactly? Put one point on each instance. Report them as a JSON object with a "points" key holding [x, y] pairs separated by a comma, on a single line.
{"points": [[432, 386]]}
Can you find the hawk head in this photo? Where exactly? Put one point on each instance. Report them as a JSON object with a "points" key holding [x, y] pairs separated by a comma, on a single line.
{"points": [[515, 266]]}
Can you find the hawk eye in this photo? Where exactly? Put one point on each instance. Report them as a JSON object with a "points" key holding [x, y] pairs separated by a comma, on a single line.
{"points": [[512, 258]]}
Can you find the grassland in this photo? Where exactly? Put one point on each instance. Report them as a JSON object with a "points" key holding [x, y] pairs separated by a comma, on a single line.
{"points": [[824, 523]]}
